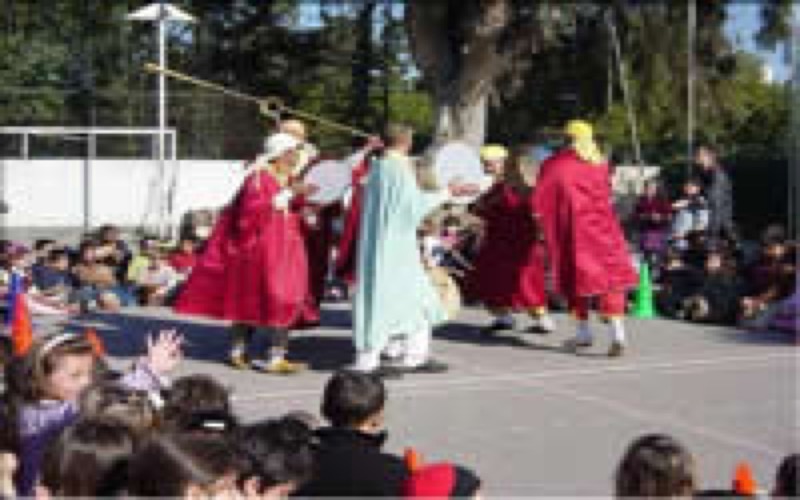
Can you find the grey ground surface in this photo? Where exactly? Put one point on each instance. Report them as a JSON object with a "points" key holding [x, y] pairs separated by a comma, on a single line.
{"points": [[532, 419]]}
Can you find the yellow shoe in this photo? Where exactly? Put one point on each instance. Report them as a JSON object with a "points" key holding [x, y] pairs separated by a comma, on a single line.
{"points": [[282, 367], [616, 350], [238, 361]]}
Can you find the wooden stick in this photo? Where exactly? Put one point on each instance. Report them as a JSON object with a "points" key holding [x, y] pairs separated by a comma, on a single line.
{"points": [[268, 105]]}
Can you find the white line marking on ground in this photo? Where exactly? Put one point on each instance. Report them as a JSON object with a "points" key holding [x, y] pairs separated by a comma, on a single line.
{"points": [[658, 418], [529, 376]]}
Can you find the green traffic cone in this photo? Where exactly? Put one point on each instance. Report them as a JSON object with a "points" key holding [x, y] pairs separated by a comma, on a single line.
{"points": [[643, 305]]}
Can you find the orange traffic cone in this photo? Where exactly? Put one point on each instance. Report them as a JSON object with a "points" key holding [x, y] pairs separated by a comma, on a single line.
{"points": [[743, 481], [413, 460]]}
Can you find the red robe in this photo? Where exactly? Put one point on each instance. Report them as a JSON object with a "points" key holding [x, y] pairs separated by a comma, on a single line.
{"points": [[585, 244], [254, 268], [346, 252], [318, 231], [509, 270]]}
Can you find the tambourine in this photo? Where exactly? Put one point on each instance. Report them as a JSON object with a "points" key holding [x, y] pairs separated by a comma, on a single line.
{"points": [[331, 177], [458, 162]]}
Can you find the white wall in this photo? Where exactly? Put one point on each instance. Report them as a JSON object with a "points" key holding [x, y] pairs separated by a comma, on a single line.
{"points": [[50, 193]]}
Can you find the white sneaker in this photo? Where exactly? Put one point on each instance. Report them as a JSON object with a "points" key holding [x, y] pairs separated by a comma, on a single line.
{"points": [[543, 324]]}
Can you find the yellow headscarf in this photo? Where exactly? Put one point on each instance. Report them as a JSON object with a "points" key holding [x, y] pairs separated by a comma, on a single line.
{"points": [[583, 143], [493, 152]]}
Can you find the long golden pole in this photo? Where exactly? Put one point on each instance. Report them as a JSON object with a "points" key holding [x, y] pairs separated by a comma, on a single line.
{"points": [[266, 104]]}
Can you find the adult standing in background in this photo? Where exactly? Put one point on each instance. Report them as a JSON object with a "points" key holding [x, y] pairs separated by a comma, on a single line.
{"points": [[719, 193]]}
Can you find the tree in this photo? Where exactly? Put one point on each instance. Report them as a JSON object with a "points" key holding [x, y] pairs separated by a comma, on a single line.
{"points": [[464, 47]]}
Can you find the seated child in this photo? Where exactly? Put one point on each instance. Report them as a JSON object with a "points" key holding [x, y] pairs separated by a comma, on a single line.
{"points": [[716, 298], [656, 466], [677, 281], [691, 213], [89, 459], [156, 283], [184, 466], [278, 457], [770, 280], [184, 258], [348, 457], [44, 387]]}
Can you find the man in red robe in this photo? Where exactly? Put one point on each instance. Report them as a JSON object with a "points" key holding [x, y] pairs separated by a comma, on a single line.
{"points": [[254, 270], [509, 268], [346, 250], [586, 247]]}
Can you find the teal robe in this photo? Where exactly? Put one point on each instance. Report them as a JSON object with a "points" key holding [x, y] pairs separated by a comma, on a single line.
{"points": [[394, 295]]}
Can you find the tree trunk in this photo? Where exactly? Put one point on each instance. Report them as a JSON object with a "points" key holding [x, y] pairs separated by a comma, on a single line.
{"points": [[457, 120], [460, 65]]}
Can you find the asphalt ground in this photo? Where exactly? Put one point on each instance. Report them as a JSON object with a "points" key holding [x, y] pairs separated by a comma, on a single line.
{"points": [[529, 417]]}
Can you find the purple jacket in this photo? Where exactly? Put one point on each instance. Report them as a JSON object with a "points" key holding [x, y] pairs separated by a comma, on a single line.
{"points": [[43, 421]]}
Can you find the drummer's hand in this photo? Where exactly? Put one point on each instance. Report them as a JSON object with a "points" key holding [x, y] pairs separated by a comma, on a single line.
{"points": [[458, 189], [301, 189], [373, 143]]}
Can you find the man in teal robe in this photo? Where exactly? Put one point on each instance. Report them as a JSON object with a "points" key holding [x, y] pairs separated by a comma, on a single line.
{"points": [[395, 299]]}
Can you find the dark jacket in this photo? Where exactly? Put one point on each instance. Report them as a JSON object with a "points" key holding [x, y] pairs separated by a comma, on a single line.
{"points": [[720, 203], [351, 464], [676, 285], [722, 292]]}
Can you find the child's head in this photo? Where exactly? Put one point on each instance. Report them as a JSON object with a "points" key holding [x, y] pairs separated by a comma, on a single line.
{"points": [[673, 260], [198, 403], [87, 252], [57, 367], [692, 186], [715, 261], [187, 244], [787, 482], [58, 259], [442, 481], [89, 459], [43, 246], [147, 245], [656, 465], [355, 401], [774, 249], [278, 457], [108, 234], [136, 409], [184, 466], [652, 188]]}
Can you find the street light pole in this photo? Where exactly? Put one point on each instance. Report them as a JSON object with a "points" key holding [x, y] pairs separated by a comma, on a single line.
{"points": [[161, 13], [690, 81], [162, 116]]}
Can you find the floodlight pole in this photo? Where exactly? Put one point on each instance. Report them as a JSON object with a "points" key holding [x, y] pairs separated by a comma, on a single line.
{"points": [[162, 114], [690, 81], [161, 13]]}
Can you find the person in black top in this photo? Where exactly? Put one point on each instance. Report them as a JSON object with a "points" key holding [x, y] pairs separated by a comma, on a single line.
{"points": [[348, 457], [719, 193]]}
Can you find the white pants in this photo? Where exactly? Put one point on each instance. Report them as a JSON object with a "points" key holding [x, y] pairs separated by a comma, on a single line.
{"points": [[413, 349]]}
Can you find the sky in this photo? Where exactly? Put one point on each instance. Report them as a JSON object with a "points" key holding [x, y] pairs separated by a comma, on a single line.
{"points": [[743, 23], [741, 26]]}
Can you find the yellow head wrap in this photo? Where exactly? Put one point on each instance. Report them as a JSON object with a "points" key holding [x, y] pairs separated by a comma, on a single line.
{"points": [[493, 152], [583, 143]]}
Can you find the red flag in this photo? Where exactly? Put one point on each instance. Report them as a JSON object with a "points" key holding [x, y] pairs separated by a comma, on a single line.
{"points": [[21, 329], [98, 347]]}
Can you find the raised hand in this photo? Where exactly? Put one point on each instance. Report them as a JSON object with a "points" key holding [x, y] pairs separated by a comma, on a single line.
{"points": [[164, 351]]}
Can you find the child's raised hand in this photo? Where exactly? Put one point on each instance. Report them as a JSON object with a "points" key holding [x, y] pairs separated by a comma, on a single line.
{"points": [[164, 352]]}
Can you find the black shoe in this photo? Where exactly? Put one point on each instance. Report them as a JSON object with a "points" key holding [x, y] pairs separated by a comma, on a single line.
{"points": [[388, 372], [431, 366]]}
